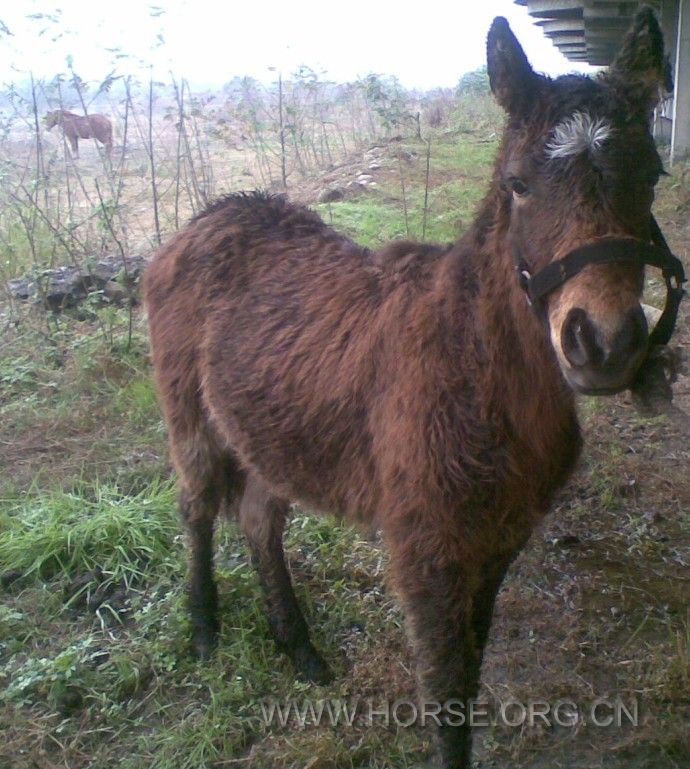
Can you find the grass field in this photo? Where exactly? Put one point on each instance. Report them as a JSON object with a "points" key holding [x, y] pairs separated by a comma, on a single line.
{"points": [[95, 669]]}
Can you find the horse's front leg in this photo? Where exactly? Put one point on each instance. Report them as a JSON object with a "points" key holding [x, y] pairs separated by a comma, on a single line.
{"points": [[440, 588]]}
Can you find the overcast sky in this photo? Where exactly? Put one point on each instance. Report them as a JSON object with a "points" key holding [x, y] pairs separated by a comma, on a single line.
{"points": [[426, 45]]}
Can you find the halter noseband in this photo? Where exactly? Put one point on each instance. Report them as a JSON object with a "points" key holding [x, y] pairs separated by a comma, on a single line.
{"points": [[627, 251]]}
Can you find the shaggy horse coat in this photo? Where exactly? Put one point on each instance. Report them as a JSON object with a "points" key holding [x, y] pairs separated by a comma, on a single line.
{"points": [[411, 388]]}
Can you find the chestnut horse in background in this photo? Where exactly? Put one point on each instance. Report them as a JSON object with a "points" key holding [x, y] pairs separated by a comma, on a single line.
{"points": [[415, 388], [77, 127]]}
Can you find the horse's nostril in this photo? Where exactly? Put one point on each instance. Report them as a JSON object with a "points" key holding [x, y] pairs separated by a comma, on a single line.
{"points": [[583, 346], [578, 339]]}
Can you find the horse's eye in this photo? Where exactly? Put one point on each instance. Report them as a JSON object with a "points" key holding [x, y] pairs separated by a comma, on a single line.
{"points": [[518, 186]]}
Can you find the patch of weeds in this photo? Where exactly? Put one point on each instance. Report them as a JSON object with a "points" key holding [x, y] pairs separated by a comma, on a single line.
{"points": [[17, 375], [22, 252], [369, 221], [470, 156], [68, 533], [11, 622], [113, 347], [50, 679], [137, 402], [451, 208]]}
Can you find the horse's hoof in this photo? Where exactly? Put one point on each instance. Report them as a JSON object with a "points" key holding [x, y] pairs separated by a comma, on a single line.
{"points": [[311, 666], [204, 642]]}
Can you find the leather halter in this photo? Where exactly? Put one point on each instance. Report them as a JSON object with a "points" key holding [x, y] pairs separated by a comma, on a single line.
{"points": [[627, 251]]}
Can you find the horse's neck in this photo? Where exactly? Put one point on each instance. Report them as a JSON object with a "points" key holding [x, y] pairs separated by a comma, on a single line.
{"points": [[523, 380]]}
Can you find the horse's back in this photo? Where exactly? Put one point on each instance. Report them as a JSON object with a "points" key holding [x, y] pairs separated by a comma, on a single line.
{"points": [[275, 323]]}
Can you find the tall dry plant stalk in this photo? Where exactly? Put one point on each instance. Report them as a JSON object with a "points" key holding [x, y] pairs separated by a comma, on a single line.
{"points": [[426, 188], [404, 196], [149, 149], [281, 132]]}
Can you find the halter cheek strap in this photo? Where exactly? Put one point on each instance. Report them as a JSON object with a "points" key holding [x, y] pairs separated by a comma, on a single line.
{"points": [[627, 251]]}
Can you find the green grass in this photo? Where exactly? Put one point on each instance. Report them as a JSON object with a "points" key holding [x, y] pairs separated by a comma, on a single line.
{"points": [[128, 669], [459, 167], [18, 254], [67, 533], [467, 156], [370, 221]]}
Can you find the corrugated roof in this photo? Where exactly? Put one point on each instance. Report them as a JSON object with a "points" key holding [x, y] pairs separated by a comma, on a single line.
{"points": [[589, 31]]}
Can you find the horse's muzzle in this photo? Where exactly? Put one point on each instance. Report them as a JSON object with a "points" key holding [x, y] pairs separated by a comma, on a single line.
{"points": [[602, 361]]}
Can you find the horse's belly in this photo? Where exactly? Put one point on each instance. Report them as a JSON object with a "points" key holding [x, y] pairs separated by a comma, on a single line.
{"points": [[317, 452], [292, 395]]}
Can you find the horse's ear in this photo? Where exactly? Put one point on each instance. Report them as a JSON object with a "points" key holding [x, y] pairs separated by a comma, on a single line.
{"points": [[513, 81], [641, 59]]}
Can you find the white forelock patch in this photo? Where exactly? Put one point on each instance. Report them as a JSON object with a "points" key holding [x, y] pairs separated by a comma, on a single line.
{"points": [[577, 134]]}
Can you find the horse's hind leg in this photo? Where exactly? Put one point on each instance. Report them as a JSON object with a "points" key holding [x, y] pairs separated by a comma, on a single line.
{"points": [[209, 481], [198, 508], [263, 520]]}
